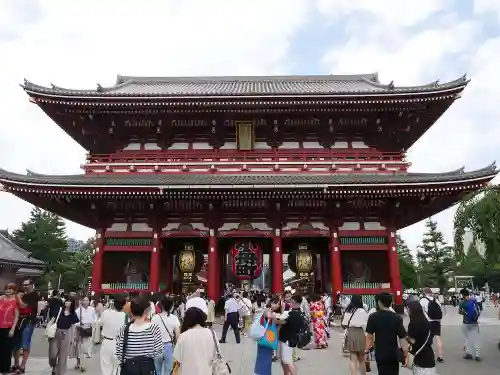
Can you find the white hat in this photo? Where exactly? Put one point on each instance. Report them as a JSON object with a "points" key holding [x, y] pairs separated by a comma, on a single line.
{"points": [[197, 302]]}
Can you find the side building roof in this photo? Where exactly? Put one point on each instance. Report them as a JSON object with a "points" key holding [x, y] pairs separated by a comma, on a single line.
{"points": [[12, 254], [246, 86], [245, 181]]}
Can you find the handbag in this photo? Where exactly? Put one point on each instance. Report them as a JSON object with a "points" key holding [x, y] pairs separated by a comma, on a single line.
{"points": [[141, 365], [219, 364], [257, 330], [82, 331], [51, 329], [346, 328], [270, 338], [172, 338], [411, 357]]}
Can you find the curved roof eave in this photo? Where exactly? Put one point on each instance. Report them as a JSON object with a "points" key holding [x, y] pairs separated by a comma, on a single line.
{"points": [[361, 85], [214, 181]]}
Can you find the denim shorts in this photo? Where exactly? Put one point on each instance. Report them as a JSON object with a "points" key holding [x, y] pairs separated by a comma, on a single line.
{"points": [[22, 338]]}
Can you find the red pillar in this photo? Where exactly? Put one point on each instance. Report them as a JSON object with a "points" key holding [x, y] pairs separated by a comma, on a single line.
{"points": [[154, 264], [169, 272], [277, 263], [213, 268], [335, 263], [394, 273], [98, 261]]}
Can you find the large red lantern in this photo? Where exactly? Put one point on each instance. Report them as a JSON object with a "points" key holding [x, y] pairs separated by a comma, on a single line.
{"points": [[247, 260]]}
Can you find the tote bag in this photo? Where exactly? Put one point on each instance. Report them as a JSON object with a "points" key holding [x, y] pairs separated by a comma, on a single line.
{"points": [[270, 338], [257, 330], [51, 329]]}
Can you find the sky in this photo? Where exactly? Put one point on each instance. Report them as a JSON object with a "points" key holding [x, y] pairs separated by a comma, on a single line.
{"points": [[77, 44]]}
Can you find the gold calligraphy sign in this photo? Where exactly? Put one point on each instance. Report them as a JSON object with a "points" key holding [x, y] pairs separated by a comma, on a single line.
{"points": [[245, 135]]}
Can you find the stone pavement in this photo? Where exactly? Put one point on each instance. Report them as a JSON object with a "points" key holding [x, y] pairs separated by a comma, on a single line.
{"points": [[241, 357]]}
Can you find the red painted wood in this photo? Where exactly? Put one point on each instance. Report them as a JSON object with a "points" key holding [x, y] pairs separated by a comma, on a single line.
{"points": [[277, 264], [154, 266], [365, 291], [362, 233], [128, 234], [129, 248], [363, 247], [394, 272], [213, 269], [335, 264], [181, 234], [97, 265], [169, 273], [306, 233], [245, 233], [118, 291]]}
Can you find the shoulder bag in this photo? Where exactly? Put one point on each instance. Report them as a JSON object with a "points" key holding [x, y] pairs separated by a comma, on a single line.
{"points": [[219, 364], [344, 345], [51, 329], [82, 331], [411, 357], [172, 337], [141, 365]]}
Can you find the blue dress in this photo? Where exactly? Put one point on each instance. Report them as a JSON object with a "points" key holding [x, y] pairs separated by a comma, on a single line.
{"points": [[264, 359]]}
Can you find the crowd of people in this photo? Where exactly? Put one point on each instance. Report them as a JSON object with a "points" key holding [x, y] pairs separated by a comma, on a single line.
{"points": [[170, 334]]}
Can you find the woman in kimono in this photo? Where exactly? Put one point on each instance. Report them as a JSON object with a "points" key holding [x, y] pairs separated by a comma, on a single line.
{"points": [[317, 309]]}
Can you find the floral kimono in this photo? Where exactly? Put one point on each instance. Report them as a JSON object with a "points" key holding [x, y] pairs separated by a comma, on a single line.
{"points": [[318, 323]]}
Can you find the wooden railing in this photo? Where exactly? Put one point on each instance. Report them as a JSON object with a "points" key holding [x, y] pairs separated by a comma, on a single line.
{"points": [[200, 156]]}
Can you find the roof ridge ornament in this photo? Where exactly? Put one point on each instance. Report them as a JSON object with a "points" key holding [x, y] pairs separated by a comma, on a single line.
{"points": [[99, 87], [391, 85], [436, 83]]}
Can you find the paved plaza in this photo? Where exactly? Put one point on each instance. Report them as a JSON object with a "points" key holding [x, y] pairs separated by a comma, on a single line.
{"points": [[330, 361]]}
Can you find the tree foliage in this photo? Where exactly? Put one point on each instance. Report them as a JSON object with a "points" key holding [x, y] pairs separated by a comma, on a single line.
{"points": [[44, 236], [407, 268], [435, 258], [77, 269], [480, 214]]}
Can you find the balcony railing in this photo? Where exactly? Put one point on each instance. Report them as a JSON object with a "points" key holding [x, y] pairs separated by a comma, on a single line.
{"points": [[125, 286], [224, 156]]}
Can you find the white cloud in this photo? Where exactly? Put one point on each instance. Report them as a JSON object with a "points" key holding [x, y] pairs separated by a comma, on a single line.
{"points": [[413, 43], [77, 44]]}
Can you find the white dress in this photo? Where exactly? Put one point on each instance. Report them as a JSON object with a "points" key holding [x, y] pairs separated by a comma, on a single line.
{"points": [[195, 350]]}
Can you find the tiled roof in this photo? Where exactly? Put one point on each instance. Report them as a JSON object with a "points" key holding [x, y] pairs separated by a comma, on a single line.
{"points": [[244, 179], [230, 86], [11, 253]]}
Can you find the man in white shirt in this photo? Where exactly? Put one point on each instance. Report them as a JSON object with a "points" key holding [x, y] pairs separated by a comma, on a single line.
{"points": [[231, 317], [434, 322]]}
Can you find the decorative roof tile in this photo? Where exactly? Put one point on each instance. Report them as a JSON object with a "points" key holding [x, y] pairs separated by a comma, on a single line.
{"points": [[245, 179], [230, 86], [11, 253]]}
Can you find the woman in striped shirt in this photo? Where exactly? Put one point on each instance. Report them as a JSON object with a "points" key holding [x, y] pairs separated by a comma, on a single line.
{"points": [[144, 339]]}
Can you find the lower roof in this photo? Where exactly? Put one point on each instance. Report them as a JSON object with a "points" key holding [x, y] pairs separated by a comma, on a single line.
{"points": [[12, 254], [244, 180]]}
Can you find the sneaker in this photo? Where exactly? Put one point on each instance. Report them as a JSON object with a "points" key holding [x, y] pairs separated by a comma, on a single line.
{"points": [[468, 356], [440, 359], [477, 359]]}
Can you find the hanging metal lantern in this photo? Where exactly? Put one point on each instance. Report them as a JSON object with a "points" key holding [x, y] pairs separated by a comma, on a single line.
{"points": [[189, 262], [302, 261], [247, 260]]}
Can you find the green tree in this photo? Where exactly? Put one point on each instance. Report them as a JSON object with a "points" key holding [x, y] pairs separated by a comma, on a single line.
{"points": [[5, 233], [472, 264], [480, 214], [77, 269], [435, 258], [44, 236], [407, 268]]}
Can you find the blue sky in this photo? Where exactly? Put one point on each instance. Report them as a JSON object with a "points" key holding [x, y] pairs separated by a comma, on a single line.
{"points": [[79, 43]]}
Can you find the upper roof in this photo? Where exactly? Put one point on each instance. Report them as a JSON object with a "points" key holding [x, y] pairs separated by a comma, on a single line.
{"points": [[232, 86], [214, 181], [11, 253]]}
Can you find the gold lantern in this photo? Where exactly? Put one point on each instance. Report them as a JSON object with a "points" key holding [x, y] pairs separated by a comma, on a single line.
{"points": [[304, 261], [186, 262]]}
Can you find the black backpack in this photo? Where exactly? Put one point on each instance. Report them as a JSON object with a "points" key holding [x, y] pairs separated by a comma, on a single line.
{"points": [[304, 335], [434, 310], [140, 365]]}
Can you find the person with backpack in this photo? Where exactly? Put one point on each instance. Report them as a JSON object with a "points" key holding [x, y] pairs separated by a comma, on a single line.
{"points": [[470, 328], [434, 313]]}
